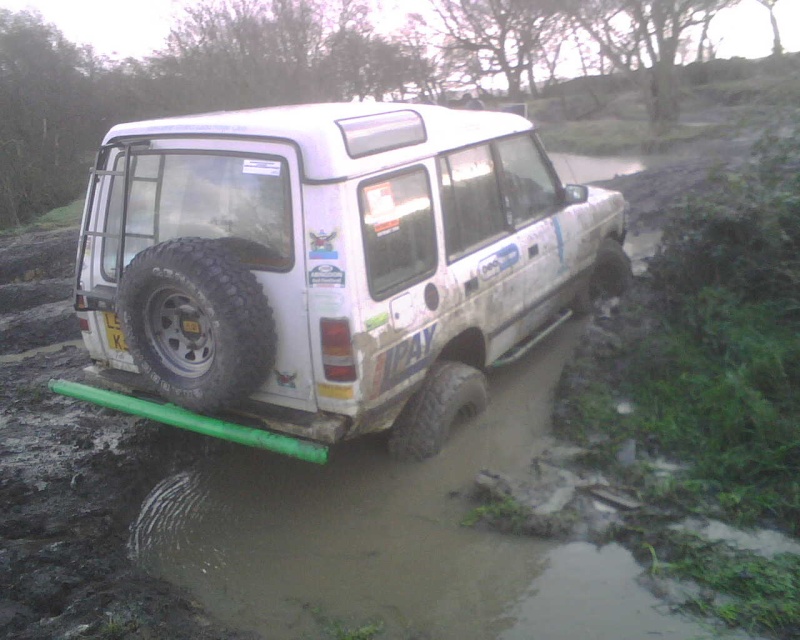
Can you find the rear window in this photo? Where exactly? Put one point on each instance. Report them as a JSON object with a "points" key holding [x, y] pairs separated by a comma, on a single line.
{"points": [[399, 231], [242, 200]]}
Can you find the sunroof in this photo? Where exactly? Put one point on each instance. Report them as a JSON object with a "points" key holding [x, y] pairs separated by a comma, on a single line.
{"points": [[366, 135]]}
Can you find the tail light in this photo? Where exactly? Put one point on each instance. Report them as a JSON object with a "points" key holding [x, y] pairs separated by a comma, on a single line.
{"points": [[337, 350], [84, 324]]}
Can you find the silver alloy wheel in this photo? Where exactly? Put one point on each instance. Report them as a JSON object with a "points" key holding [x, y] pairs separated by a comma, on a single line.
{"points": [[180, 331]]}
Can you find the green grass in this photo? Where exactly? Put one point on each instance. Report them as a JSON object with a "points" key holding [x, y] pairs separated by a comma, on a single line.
{"points": [[66, 216], [60, 218], [717, 384], [611, 136], [340, 631], [509, 511], [757, 593]]}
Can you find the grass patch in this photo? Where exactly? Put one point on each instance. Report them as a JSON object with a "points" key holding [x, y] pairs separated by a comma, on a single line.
{"points": [[67, 216], [612, 136], [60, 218], [338, 629], [754, 592], [508, 511], [716, 384]]}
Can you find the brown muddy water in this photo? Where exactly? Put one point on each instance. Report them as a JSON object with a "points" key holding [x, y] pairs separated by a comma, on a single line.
{"points": [[275, 545], [578, 169]]}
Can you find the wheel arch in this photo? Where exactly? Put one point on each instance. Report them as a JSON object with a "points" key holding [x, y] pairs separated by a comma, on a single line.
{"points": [[468, 347]]}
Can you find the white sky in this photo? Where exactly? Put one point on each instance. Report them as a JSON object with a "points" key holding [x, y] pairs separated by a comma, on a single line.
{"points": [[121, 28]]}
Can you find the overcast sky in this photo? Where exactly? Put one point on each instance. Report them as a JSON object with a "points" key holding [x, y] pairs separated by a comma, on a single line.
{"points": [[138, 27]]}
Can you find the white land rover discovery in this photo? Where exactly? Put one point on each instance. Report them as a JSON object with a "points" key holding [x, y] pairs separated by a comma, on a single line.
{"points": [[333, 269]]}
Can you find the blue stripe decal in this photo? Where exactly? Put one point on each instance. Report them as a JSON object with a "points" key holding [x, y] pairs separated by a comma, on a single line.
{"points": [[559, 239]]}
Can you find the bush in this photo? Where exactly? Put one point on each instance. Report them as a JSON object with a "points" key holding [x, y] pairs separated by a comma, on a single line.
{"points": [[722, 391]]}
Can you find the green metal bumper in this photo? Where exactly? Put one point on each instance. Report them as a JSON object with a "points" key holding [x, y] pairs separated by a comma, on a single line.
{"points": [[179, 417]]}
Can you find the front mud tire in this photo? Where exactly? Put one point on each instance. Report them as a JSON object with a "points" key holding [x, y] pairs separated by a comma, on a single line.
{"points": [[197, 323], [612, 274], [451, 391]]}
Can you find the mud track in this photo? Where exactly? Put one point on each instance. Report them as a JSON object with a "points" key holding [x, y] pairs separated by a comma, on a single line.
{"points": [[73, 476]]}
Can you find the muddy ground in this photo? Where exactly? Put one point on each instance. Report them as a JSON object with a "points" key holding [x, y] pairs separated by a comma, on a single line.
{"points": [[72, 476]]}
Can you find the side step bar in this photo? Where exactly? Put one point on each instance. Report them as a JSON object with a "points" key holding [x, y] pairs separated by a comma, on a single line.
{"points": [[515, 353], [184, 419]]}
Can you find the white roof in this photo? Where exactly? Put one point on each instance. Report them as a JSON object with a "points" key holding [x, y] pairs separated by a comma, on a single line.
{"points": [[313, 128]]}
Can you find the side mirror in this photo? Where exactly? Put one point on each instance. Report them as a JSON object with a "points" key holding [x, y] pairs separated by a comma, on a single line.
{"points": [[576, 194]]}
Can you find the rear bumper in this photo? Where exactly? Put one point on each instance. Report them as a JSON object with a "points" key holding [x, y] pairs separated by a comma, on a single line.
{"points": [[316, 427], [206, 425]]}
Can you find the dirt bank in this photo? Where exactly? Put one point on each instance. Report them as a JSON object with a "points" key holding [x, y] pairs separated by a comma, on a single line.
{"points": [[73, 476]]}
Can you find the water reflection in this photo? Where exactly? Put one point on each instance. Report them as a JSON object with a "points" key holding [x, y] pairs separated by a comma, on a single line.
{"points": [[577, 169], [267, 542]]}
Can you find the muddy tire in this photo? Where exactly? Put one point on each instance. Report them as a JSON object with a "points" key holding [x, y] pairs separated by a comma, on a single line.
{"points": [[197, 323], [583, 303], [451, 391], [612, 274]]}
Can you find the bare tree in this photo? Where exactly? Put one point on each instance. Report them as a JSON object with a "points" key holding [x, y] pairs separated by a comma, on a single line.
{"points": [[504, 36], [777, 46], [243, 53], [645, 35]]}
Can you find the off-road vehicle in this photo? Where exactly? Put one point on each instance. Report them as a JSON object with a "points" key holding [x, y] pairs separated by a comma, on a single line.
{"points": [[332, 270]]}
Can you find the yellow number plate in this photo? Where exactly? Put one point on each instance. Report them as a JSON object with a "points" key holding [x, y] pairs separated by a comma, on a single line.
{"points": [[190, 326], [114, 332]]}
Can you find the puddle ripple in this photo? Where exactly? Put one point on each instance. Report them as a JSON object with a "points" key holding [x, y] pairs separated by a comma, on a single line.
{"points": [[167, 517]]}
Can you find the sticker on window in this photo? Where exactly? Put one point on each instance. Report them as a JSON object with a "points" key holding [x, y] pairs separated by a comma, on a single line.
{"points": [[385, 228], [381, 201], [261, 167]]}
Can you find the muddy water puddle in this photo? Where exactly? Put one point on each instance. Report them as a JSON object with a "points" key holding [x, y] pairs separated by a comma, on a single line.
{"points": [[279, 546], [578, 169]]}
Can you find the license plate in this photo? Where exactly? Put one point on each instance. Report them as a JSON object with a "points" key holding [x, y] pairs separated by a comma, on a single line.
{"points": [[114, 332]]}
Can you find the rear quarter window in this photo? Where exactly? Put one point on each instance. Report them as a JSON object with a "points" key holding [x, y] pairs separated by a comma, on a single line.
{"points": [[398, 230]]}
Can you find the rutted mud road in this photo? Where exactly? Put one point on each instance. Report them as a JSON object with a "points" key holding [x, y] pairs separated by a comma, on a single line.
{"points": [[276, 537]]}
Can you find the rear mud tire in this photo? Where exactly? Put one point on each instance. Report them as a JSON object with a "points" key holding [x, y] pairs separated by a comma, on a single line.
{"points": [[451, 391], [197, 323]]}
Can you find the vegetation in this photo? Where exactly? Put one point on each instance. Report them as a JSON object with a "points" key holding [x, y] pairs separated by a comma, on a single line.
{"points": [[739, 588], [510, 512], [58, 99], [337, 629], [610, 137], [716, 386], [712, 369]]}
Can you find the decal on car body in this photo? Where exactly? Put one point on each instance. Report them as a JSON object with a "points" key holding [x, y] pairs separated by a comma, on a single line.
{"points": [[286, 379], [322, 247], [326, 275], [404, 360], [498, 262]]}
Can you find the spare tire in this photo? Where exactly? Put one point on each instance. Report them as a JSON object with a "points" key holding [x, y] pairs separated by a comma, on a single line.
{"points": [[197, 323]]}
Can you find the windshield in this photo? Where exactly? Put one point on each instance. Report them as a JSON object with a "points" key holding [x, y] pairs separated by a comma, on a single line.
{"points": [[184, 194]]}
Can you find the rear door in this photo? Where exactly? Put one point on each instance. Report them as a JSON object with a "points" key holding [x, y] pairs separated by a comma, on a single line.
{"points": [[220, 188]]}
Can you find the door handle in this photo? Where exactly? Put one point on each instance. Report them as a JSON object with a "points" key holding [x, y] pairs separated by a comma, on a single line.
{"points": [[471, 285], [533, 250]]}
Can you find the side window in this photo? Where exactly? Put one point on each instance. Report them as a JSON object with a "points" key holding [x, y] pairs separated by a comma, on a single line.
{"points": [[528, 188], [399, 232], [473, 214]]}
